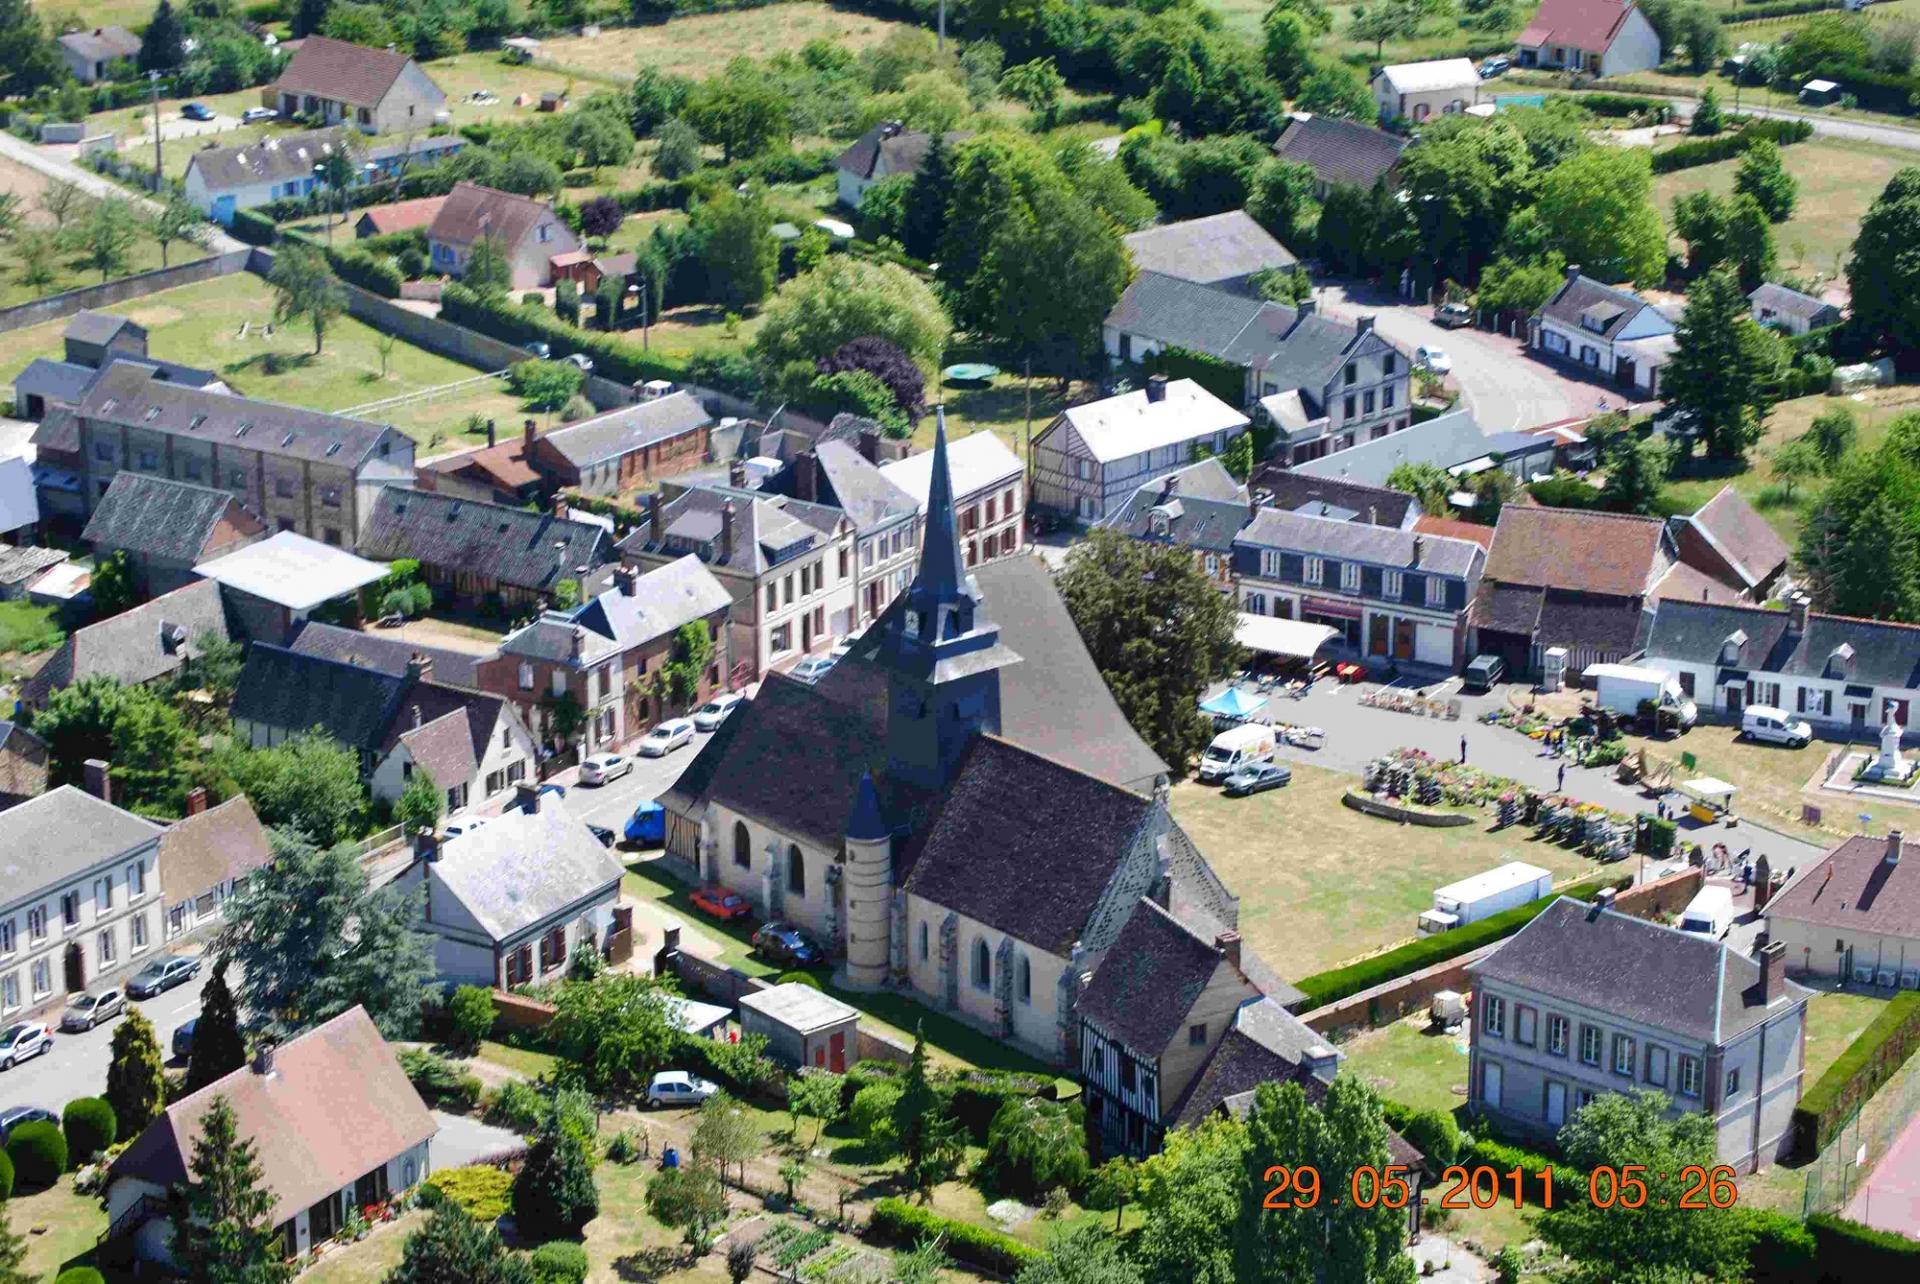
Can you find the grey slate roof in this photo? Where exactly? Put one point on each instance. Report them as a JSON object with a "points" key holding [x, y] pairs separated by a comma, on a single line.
{"points": [[1359, 542], [62, 381], [19, 563], [521, 870], [278, 158], [663, 599], [767, 529], [1640, 971], [620, 432], [1291, 490], [64, 831], [860, 489], [335, 69], [103, 44], [147, 642], [1883, 653], [1292, 348], [98, 328], [388, 655], [1583, 296], [1217, 249], [1341, 151], [1195, 517], [1446, 440], [128, 391], [1853, 887], [299, 692], [904, 149], [157, 517], [1149, 980], [510, 545], [1793, 303]]}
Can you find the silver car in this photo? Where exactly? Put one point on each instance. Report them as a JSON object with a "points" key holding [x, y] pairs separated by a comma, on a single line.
{"points": [[667, 737], [90, 1010], [678, 1088], [710, 715], [23, 1041]]}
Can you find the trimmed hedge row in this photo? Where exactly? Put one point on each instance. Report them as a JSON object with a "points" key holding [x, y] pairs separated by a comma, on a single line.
{"points": [[1624, 105], [1337, 983], [1873, 89], [899, 1222], [1849, 1251], [253, 227], [1867, 1062], [612, 355], [1705, 151], [979, 1094], [1763, 9]]}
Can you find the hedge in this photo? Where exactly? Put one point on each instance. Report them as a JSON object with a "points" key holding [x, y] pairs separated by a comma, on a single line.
{"points": [[979, 1094], [560, 1262], [1337, 983], [39, 1154], [90, 1128], [376, 275], [899, 1222], [479, 1190], [1221, 378], [1849, 1251], [1624, 105], [1706, 151], [1856, 1073], [1758, 11], [1782, 1249], [613, 356], [6, 1177], [1872, 89], [253, 227], [80, 1275]]}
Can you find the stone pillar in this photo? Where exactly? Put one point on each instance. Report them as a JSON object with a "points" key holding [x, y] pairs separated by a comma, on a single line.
{"points": [[950, 960], [772, 884], [897, 946]]}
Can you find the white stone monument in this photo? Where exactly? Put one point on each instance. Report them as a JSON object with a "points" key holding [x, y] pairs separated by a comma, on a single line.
{"points": [[1887, 764]]}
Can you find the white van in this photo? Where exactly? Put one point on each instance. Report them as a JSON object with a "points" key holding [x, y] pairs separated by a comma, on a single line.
{"points": [[1232, 750], [1709, 913], [1768, 725]]}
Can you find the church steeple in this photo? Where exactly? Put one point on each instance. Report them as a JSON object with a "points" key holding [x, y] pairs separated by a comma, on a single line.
{"points": [[942, 653]]}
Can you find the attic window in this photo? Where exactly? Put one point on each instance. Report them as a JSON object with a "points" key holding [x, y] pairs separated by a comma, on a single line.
{"points": [[286, 441], [333, 448], [106, 407], [153, 413], [195, 422], [243, 430], [1730, 649]]}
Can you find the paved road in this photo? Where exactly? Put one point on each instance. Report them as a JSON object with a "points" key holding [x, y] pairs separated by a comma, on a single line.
{"points": [[77, 1066], [53, 166], [1506, 389], [1823, 125]]}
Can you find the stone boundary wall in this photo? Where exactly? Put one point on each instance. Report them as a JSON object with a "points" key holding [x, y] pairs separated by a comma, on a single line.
{"points": [[58, 307]]}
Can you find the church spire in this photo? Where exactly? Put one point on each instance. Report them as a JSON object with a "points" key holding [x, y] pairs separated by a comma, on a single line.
{"points": [[941, 572]]}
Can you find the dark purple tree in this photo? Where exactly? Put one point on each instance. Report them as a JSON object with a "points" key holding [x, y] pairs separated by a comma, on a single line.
{"points": [[889, 362], [601, 216]]}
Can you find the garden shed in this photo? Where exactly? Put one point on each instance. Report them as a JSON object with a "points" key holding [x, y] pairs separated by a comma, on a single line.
{"points": [[803, 1026]]}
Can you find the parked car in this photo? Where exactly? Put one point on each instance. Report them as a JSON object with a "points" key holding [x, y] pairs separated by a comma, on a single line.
{"points": [[1483, 672], [539, 349], [678, 1088], [581, 360], [710, 715], [1433, 360], [15, 1116], [604, 768], [665, 738], [197, 111], [90, 1010], [1453, 315], [647, 827], [1256, 779], [23, 1041], [162, 974], [606, 836], [465, 825], [785, 943], [721, 903], [1764, 724], [183, 1039], [812, 669], [1495, 66], [254, 115]]}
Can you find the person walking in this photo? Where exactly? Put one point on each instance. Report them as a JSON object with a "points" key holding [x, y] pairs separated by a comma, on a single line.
{"points": [[1463, 751], [1562, 785]]}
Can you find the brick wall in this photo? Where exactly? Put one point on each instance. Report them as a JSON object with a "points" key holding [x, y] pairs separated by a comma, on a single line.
{"points": [[512, 1012], [1667, 895]]}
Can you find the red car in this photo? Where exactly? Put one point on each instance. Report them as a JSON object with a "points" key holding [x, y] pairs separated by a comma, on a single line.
{"points": [[721, 903]]}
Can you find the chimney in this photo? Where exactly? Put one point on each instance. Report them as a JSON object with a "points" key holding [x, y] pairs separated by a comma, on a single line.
{"points": [[1893, 846], [420, 667], [1366, 325], [657, 520], [1419, 547], [426, 845], [99, 779], [1306, 307], [527, 798], [419, 719], [493, 436], [1573, 273], [627, 579], [528, 433], [1773, 971], [559, 508], [579, 641], [196, 800], [1322, 1062], [1156, 387], [1797, 612], [263, 1059], [737, 473], [726, 532], [1228, 943]]}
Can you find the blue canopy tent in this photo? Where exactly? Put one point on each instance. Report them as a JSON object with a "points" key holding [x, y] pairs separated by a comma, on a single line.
{"points": [[1233, 703]]}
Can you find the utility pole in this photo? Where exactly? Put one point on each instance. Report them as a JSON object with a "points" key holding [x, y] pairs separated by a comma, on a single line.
{"points": [[940, 41], [1028, 461], [153, 83]]}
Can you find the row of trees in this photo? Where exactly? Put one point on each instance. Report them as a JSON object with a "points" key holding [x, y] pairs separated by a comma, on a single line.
{"points": [[96, 233]]}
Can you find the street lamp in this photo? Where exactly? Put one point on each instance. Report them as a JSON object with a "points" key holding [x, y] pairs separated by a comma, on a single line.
{"points": [[153, 81], [319, 176]]}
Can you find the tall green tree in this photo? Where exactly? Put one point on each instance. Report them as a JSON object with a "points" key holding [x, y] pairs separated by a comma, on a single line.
{"points": [[919, 1105], [305, 288], [654, 98], [815, 1095], [737, 248], [1037, 86], [162, 44], [1833, 433], [1053, 268], [308, 785], [1764, 177], [690, 1199], [420, 804], [1428, 483], [741, 110], [553, 1193], [218, 1046], [1159, 632], [487, 272], [1189, 1194], [453, 1248], [1287, 48], [312, 939], [177, 220], [1335, 89], [133, 729], [137, 1074], [927, 200], [1749, 242], [223, 1232], [677, 153], [1384, 20], [1860, 547], [1797, 461], [1720, 370], [1281, 200], [29, 58], [844, 299], [1883, 275], [617, 1029], [108, 235], [112, 586], [1596, 208], [1658, 1241], [1636, 470]]}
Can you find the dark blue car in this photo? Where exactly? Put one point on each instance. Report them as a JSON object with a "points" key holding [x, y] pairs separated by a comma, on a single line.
{"points": [[647, 827], [786, 944]]}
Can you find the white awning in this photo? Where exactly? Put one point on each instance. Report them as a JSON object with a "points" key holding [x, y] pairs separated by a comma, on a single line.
{"points": [[1708, 788], [290, 570], [1294, 638]]}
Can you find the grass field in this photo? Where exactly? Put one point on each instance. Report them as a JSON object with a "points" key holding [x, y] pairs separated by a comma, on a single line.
{"points": [[58, 1225], [704, 43], [72, 270], [1437, 35], [1839, 178], [200, 325], [1320, 884], [27, 627]]}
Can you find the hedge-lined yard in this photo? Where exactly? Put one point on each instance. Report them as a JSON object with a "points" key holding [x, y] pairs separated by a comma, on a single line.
{"points": [[1872, 1059]]}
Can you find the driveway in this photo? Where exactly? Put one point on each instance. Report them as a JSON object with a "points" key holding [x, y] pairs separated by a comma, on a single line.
{"points": [[463, 1140], [54, 166], [1506, 389]]}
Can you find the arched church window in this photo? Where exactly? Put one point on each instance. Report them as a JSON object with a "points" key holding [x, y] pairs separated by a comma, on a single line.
{"points": [[742, 845], [982, 965], [796, 871], [1023, 980]]}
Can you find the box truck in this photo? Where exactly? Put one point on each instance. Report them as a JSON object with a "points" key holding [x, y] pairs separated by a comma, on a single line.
{"points": [[1621, 687], [1236, 748], [1472, 899], [1709, 913]]}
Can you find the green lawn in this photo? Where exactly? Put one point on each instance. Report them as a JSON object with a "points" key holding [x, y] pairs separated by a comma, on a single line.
{"points": [[58, 1225], [699, 45], [368, 1261], [27, 628], [1358, 886], [71, 270], [200, 325]]}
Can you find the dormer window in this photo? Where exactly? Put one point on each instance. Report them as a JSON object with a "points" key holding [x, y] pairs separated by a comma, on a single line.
{"points": [[1840, 659], [1731, 648], [1157, 522]]}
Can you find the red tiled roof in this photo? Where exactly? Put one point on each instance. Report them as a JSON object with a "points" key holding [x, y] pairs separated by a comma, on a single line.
{"points": [[1581, 24], [1454, 528], [347, 73], [1684, 583], [403, 216], [1568, 548], [507, 465]]}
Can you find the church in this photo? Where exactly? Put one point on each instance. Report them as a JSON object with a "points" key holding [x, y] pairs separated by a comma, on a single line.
{"points": [[958, 809]]}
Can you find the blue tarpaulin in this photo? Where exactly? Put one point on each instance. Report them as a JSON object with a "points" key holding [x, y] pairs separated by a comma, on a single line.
{"points": [[1233, 703]]}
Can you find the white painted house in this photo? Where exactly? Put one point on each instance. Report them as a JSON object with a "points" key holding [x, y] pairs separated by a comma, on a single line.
{"points": [[1091, 459], [1597, 37], [1416, 91], [1606, 330], [527, 233]]}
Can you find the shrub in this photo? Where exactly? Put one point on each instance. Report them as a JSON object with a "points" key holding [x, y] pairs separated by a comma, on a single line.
{"points": [[872, 1113], [621, 1147], [1434, 1134], [899, 1222], [1625, 105], [1504, 1157], [1782, 1249], [90, 1128], [6, 1177], [80, 1275], [979, 1095], [1706, 151], [517, 1105], [1849, 1251], [742, 1068], [1869, 1061], [798, 977], [480, 1191], [253, 227], [1328, 987], [613, 355], [1035, 1146], [439, 1080], [560, 1263], [472, 1014], [553, 1193], [39, 1154], [375, 275]]}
